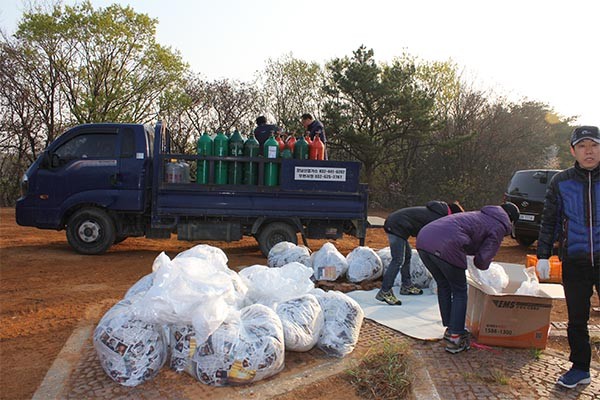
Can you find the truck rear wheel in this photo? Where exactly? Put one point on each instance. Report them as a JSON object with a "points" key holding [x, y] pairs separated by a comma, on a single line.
{"points": [[90, 231], [273, 233]]}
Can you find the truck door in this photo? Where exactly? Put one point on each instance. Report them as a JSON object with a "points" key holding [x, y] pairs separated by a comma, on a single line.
{"points": [[133, 164], [82, 170]]}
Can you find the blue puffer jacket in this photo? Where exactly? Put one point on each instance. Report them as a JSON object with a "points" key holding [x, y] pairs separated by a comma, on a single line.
{"points": [[474, 233], [572, 216], [317, 128]]}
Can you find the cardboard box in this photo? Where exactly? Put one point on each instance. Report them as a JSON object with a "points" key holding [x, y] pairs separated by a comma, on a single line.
{"points": [[507, 319]]}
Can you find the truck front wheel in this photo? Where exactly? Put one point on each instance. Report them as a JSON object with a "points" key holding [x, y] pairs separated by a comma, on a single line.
{"points": [[274, 233], [90, 231]]}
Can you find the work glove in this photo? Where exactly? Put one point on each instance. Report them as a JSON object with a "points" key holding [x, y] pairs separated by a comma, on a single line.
{"points": [[543, 268]]}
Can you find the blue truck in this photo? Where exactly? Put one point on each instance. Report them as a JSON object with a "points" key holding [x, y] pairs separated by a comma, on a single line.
{"points": [[103, 183]]}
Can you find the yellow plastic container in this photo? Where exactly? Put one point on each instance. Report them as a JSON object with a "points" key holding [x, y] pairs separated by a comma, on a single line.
{"points": [[555, 268]]}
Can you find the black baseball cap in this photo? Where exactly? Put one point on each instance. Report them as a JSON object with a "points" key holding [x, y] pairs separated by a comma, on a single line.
{"points": [[585, 132]]}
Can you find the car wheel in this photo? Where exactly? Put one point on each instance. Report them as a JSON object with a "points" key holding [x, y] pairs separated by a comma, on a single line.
{"points": [[90, 231], [274, 233], [525, 241]]}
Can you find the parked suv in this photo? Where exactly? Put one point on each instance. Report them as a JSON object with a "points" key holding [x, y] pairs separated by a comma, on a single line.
{"points": [[527, 189]]}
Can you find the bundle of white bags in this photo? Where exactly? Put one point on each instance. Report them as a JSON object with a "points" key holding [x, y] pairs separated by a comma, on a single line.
{"points": [[328, 263], [221, 327]]}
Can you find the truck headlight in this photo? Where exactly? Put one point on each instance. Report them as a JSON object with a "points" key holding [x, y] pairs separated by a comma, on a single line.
{"points": [[24, 185]]}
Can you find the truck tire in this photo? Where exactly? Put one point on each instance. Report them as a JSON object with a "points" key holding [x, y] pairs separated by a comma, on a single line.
{"points": [[90, 231], [273, 233]]}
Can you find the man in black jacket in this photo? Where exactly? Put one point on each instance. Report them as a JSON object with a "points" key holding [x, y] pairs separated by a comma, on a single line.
{"points": [[571, 216], [263, 131], [399, 226]]}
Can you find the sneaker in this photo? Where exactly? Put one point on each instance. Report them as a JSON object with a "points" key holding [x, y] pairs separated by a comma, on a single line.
{"points": [[388, 297], [458, 343], [447, 335], [412, 289], [574, 377]]}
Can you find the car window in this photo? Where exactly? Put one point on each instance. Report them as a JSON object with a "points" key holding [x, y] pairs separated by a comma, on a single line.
{"points": [[127, 143], [89, 145], [530, 183]]}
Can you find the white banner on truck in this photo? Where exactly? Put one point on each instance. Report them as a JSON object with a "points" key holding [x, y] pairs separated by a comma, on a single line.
{"points": [[320, 174]]}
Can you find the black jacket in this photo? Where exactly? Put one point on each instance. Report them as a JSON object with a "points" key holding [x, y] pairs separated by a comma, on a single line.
{"points": [[407, 222]]}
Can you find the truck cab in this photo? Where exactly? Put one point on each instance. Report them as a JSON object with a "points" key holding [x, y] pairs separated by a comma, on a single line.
{"points": [[90, 167]]}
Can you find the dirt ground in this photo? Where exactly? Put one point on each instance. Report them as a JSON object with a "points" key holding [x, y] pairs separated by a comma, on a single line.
{"points": [[46, 289]]}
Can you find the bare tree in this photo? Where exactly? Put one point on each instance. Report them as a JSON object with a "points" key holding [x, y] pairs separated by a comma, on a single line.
{"points": [[290, 88]]}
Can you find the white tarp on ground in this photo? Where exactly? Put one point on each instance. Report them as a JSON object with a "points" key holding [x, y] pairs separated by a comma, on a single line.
{"points": [[417, 317]]}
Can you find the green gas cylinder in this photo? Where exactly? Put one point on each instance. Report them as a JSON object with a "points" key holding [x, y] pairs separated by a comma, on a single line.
{"points": [[205, 149], [251, 149], [287, 153], [236, 149], [271, 151], [301, 149], [221, 149]]}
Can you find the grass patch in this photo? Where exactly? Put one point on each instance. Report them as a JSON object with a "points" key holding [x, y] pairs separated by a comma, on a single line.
{"points": [[383, 373], [536, 353], [494, 376]]}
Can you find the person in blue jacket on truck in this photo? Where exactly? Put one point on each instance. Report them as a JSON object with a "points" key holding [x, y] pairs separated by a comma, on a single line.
{"points": [[314, 127], [263, 131], [444, 245], [571, 216], [399, 226]]}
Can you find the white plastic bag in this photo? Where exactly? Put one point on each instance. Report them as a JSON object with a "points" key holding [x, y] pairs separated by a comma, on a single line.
{"points": [[213, 255], [494, 278], [363, 264], [342, 323], [182, 347], [247, 347], [188, 290], [419, 274], [131, 351], [270, 286], [328, 263], [141, 286], [531, 286], [385, 255], [302, 320], [286, 252]]}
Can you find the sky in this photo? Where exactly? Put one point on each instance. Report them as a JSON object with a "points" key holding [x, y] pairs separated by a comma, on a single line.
{"points": [[547, 51]]}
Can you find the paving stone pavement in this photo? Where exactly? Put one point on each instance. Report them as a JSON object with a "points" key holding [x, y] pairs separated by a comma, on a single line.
{"points": [[480, 373]]}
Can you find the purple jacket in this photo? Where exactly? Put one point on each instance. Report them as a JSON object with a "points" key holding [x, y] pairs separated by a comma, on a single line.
{"points": [[474, 233]]}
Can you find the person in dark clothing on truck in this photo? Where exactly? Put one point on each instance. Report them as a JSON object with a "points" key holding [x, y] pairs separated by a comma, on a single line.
{"points": [[444, 245], [571, 216], [399, 226], [314, 127], [263, 131]]}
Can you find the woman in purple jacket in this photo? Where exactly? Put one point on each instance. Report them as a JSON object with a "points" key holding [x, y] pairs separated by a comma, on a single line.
{"points": [[444, 245]]}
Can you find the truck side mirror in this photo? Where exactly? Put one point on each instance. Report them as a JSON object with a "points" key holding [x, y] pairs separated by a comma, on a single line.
{"points": [[45, 160], [54, 161]]}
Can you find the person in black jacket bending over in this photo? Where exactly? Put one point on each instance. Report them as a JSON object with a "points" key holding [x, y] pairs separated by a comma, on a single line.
{"points": [[399, 226], [571, 216]]}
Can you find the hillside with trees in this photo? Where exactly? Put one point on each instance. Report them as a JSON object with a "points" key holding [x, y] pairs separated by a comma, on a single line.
{"points": [[419, 128]]}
